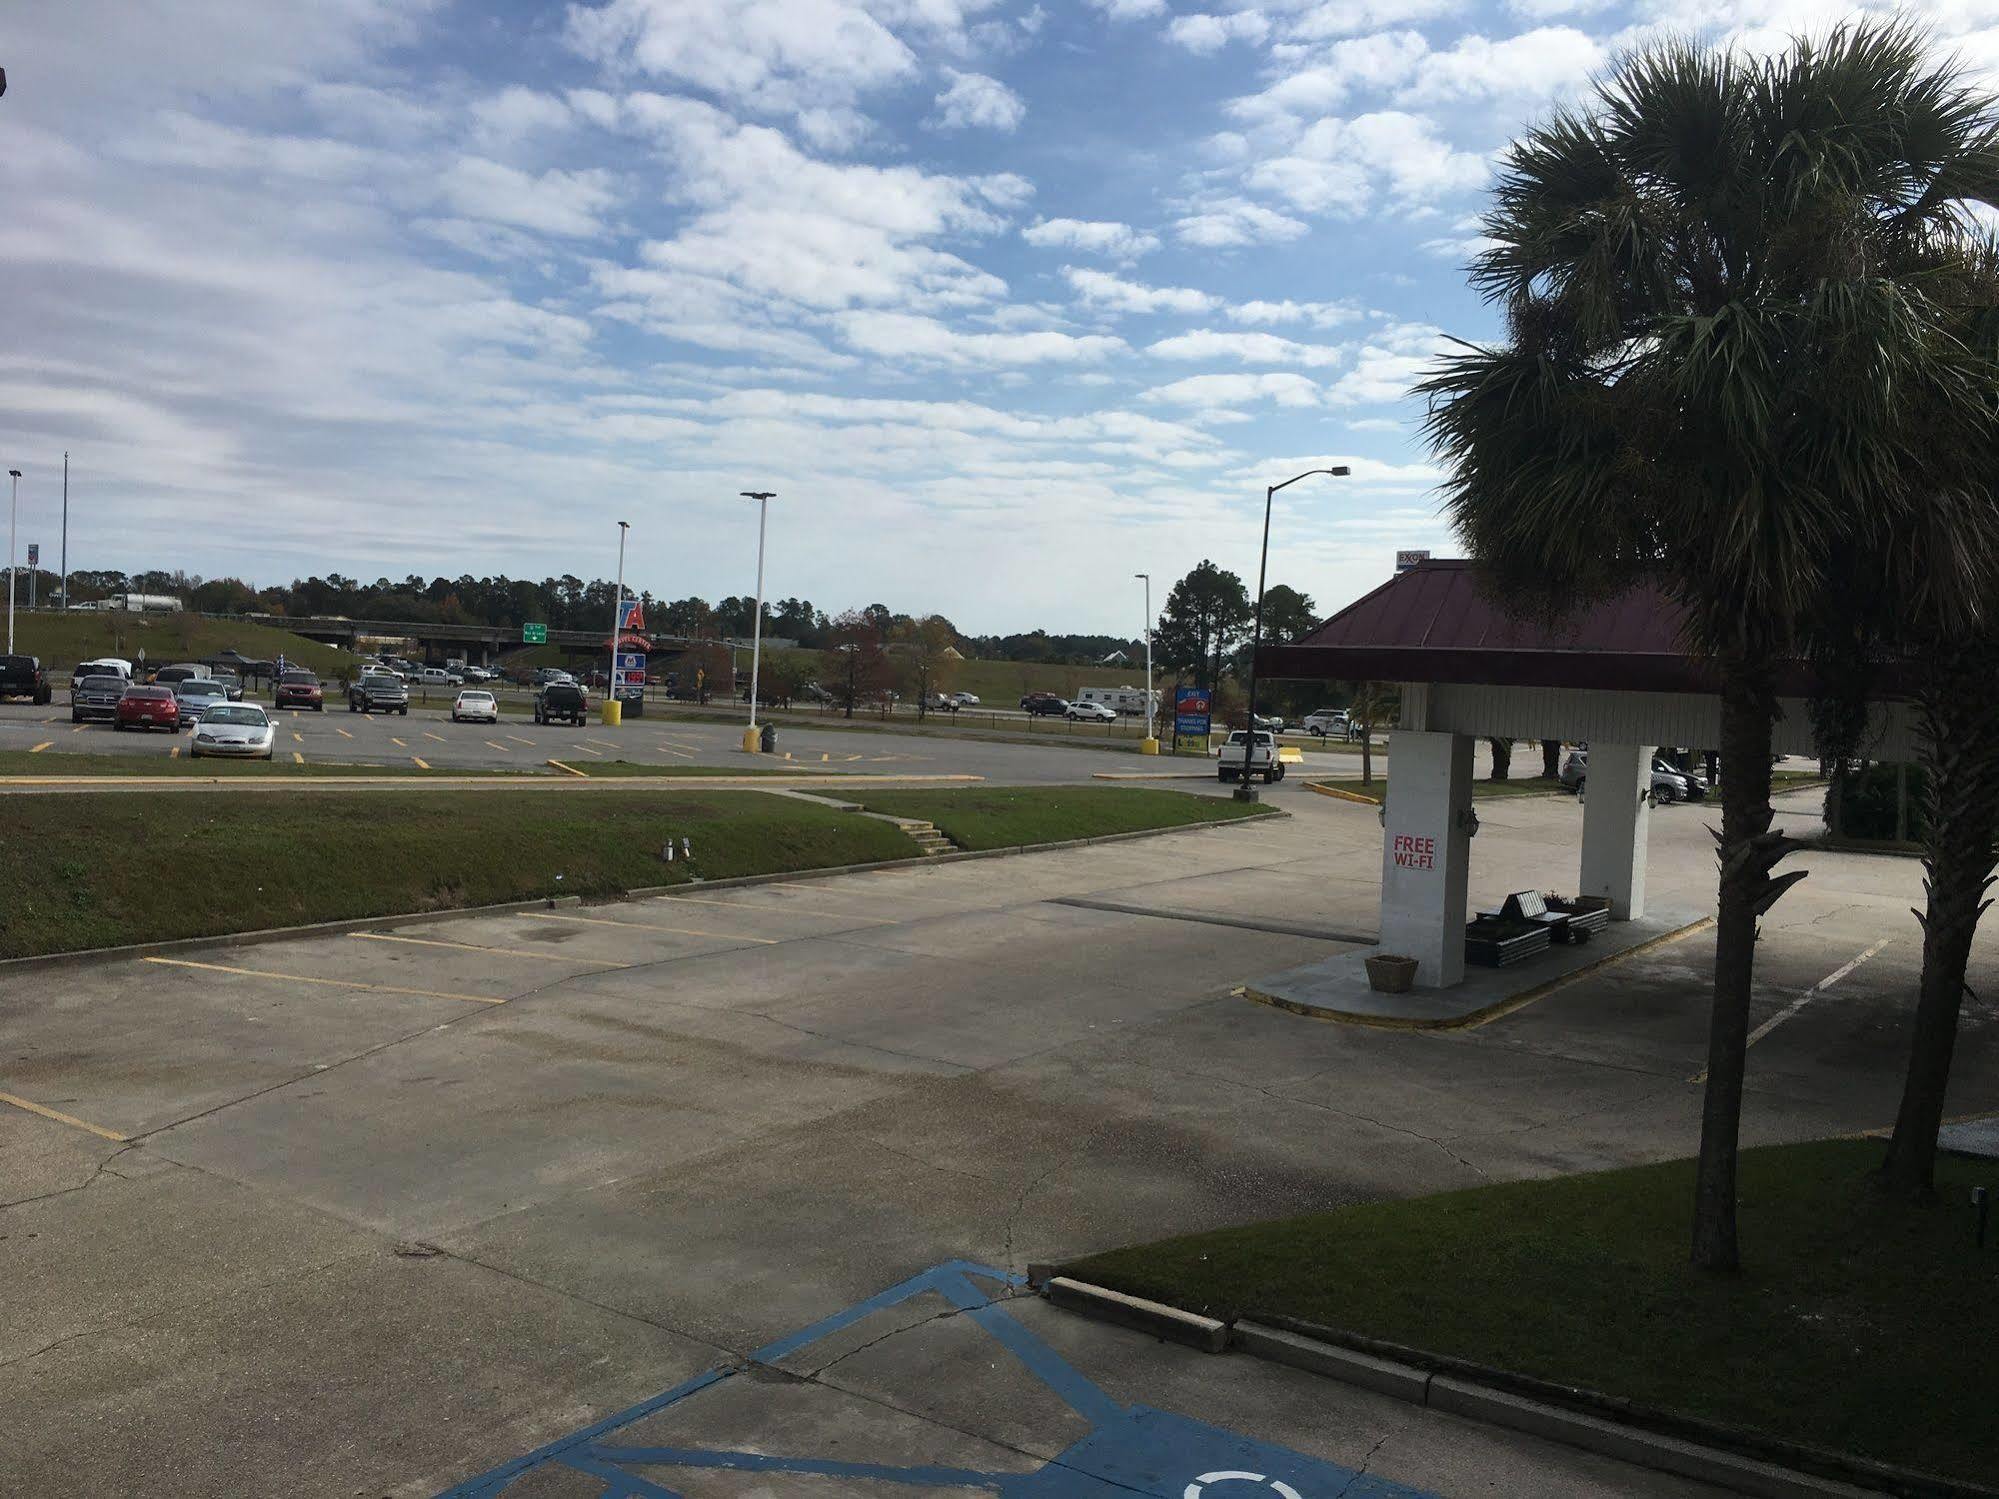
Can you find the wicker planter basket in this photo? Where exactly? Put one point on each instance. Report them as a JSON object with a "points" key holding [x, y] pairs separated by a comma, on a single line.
{"points": [[1388, 973]]}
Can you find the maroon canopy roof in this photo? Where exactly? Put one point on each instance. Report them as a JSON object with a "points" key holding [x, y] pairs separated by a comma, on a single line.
{"points": [[1433, 624]]}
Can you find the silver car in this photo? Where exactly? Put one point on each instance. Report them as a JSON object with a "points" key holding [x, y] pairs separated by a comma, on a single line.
{"points": [[197, 695], [234, 730]]}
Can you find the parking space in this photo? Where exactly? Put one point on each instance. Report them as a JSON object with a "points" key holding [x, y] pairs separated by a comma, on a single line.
{"points": [[382, 1212]]}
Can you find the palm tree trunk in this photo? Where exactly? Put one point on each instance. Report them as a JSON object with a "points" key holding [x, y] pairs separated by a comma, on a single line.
{"points": [[1960, 749], [1502, 758], [1551, 759], [1748, 851]]}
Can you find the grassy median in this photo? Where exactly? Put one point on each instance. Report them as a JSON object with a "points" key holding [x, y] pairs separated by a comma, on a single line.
{"points": [[1010, 817], [87, 870], [1858, 1325]]}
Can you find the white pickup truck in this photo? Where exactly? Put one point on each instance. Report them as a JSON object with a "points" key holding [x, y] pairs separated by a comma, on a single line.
{"points": [[1239, 757]]}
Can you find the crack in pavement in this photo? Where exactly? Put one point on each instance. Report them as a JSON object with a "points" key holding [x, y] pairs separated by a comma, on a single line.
{"points": [[89, 1181], [1361, 1471]]}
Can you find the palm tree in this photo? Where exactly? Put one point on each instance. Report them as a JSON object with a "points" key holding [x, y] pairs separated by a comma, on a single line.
{"points": [[1712, 380]]}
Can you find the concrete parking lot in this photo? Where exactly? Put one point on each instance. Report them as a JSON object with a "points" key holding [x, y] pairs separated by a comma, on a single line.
{"points": [[374, 1214]]}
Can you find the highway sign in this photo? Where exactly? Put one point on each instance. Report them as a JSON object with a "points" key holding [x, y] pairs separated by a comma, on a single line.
{"points": [[534, 634], [34, 554], [1190, 712]]}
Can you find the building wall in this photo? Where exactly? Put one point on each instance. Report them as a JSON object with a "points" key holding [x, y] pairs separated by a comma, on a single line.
{"points": [[1688, 720]]}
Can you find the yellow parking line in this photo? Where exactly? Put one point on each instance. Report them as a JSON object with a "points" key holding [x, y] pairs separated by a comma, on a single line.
{"points": [[586, 750], [42, 746], [743, 905], [300, 978], [571, 769], [652, 926], [516, 739], [297, 737], [421, 763], [297, 758], [398, 743], [438, 737], [607, 743], [62, 1118], [174, 753], [511, 952], [498, 746], [343, 733], [79, 728]]}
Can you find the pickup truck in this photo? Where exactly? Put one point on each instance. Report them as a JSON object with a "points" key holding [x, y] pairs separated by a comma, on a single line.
{"points": [[1238, 756], [22, 676], [379, 692]]}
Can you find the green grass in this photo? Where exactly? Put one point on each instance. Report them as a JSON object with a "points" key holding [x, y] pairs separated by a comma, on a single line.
{"points": [[1858, 1324], [65, 639], [1480, 790], [97, 870], [1009, 817]]}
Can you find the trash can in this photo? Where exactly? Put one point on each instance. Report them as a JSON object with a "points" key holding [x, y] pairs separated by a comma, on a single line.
{"points": [[769, 739]]}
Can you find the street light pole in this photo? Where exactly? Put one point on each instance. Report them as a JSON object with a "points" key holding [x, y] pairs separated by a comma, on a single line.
{"points": [[65, 533], [617, 618], [1151, 745], [1244, 791], [13, 511], [751, 741]]}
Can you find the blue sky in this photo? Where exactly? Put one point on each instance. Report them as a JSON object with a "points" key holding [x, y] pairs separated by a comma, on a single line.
{"points": [[1007, 301]]}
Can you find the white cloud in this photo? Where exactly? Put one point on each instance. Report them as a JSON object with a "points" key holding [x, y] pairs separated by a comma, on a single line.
{"points": [[555, 202], [1376, 63], [1318, 314], [1536, 64], [1330, 18], [1130, 10], [515, 113], [1228, 223], [1245, 348], [173, 138], [1115, 294], [974, 101], [1388, 364], [1542, 10], [1238, 390], [1094, 236], [896, 335], [1204, 33], [1336, 164]]}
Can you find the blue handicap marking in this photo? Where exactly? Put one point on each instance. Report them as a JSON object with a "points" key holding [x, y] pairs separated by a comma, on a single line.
{"points": [[1130, 1450]]}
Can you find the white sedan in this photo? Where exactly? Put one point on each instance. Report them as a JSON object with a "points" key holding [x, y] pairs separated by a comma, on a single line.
{"points": [[240, 731], [1091, 713], [475, 707]]}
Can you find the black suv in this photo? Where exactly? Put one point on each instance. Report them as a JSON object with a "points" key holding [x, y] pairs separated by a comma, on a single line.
{"points": [[378, 692], [561, 702], [22, 676]]}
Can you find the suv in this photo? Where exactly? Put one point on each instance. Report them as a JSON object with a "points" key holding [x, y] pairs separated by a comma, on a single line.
{"points": [[22, 676], [563, 701], [1044, 705], [379, 692], [299, 689], [1336, 722]]}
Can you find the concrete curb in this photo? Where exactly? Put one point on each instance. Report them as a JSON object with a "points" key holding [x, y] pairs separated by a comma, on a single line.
{"points": [[1167, 1322], [1685, 1446], [1342, 794], [259, 936]]}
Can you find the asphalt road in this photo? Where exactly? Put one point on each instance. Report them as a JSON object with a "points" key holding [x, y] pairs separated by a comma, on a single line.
{"points": [[374, 1214]]}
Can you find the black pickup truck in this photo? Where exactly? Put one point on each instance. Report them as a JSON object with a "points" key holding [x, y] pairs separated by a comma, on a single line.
{"points": [[22, 676], [379, 692], [559, 702]]}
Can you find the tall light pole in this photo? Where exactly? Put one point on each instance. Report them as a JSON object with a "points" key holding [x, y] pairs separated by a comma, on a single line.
{"points": [[1244, 791], [13, 510], [1151, 745], [65, 533], [617, 624], [751, 741]]}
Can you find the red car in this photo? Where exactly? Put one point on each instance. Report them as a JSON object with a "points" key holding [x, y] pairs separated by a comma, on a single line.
{"points": [[148, 708], [299, 689]]}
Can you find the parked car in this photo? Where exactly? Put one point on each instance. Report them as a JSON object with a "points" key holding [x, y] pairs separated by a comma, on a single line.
{"points": [[942, 702], [96, 698], [299, 689], [1335, 723], [379, 692], [1091, 713], [1693, 785], [232, 684], [196, 695], [22, 676], [1044, 705], [1239, 757], [561, 702], [1669, 783], [1275, 725], [476, 674], [966, 699], [432, 676], [475, 706], [104, 666], [240, 731], [149, 706], [179, 672]]}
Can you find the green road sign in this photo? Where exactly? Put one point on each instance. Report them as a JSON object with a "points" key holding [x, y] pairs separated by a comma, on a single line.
{"points": [[534, 634]]}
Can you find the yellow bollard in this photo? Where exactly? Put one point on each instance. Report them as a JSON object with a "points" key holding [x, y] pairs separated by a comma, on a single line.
{"points": [[1148, 746], [751, 743], [614, 713]]}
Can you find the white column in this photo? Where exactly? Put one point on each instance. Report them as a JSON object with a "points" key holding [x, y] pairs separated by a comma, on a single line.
{"points": [[1617, 825], [1426, 853]]}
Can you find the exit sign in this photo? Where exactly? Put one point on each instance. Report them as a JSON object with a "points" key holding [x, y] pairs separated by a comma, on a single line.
{"points": [[534, 634]]}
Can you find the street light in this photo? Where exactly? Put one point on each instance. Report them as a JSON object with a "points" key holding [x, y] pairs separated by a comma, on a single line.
{"points": [[1151, 745], [1245, 792], [751, 741], [617, 626], [13, 510]]}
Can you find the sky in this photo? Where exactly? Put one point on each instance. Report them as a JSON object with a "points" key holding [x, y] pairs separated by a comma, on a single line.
{"points": [[1007, 302]]}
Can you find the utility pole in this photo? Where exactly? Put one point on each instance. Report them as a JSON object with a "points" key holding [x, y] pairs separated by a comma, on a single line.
{"points": [[1151, 744], [13, 510], [617, 622], [65, 533], [752, 741]]}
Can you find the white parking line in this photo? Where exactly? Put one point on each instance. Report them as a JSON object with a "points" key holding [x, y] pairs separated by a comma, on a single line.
{"points": [[1801, 1001]]}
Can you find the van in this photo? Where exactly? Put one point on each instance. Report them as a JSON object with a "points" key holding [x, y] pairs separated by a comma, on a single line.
{"points": [[1127, 700]]}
